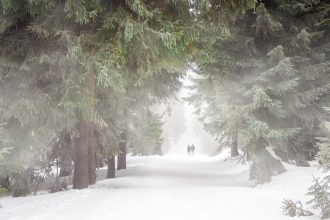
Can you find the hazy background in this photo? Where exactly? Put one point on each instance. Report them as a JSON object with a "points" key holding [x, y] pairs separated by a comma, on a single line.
{"points": [[182, 127]]}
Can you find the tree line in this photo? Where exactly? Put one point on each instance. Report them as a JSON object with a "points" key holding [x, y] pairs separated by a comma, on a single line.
{"points": [[78, 79]]}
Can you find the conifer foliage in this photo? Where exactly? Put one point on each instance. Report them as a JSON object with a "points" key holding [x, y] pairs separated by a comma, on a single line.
{"points": [[270, 78], [293, 209], [78, 80], [65, 58], [321, 196], [76, 66]]}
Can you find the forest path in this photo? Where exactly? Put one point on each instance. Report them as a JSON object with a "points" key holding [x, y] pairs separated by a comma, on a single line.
{"points": [[168, 188], [180, 171]]}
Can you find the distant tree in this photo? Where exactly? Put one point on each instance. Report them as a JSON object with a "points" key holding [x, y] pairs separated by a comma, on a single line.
{"points": [[147, 139]]}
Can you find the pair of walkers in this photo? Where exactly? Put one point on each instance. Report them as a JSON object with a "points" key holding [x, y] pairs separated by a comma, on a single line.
{"points": [[191, 149]]}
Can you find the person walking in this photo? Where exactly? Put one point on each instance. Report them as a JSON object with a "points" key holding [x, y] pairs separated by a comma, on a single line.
{"points": [[188, 149], [192, 149]]}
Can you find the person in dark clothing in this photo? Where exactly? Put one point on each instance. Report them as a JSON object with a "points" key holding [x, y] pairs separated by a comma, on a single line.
{"points": [[188, 149], [192, 149]]}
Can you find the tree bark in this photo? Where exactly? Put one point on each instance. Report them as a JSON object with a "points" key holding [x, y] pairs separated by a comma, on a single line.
{"points": [[92, 159], [121, 159], [65, 154], [21, 186], [99, 162], [66, 166], [301, 161], [84, 156], [264, 165], [234, 144], [5, 182], [111, 172]]}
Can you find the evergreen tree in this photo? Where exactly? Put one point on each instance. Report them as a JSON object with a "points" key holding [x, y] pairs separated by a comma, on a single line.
{"points": [[320, 192], [60, 59], [82, 48], [293, 209], [267, 92], [147, 139]]}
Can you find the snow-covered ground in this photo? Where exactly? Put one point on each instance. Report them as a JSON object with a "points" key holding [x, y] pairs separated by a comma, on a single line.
{"points": [[169, 188]]}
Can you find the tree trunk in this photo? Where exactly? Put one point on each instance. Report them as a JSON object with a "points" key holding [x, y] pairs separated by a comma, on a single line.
{"points": [[121, 159], [5, 182], [65, 154], [264, 165], [92, 160], [234, 144], [84, 156], [99, 162], [301, 161], [111, 173], [66, 166], [21, 186]]}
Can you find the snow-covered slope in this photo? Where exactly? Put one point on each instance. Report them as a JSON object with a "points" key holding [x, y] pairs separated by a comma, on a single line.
{"points": [[169, 188]]}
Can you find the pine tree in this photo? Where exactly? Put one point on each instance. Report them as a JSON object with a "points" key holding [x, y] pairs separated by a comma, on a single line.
{"points": [[91, 50], [320, 192], [146, 139], [324, 152], [293, 209], [286, 99], [64, 57]]}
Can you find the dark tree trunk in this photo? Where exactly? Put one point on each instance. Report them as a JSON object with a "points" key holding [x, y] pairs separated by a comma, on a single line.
{"points": [[121, 159], [234, 144], [111, 172], [5, 182], [65, 154], [84, 156], [21, 186], [66, 167], [99, 162], [301, 161], [92, 160], [264, 165]]}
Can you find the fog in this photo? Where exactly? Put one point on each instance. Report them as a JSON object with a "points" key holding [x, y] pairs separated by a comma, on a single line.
{"points": [[182, 126]]}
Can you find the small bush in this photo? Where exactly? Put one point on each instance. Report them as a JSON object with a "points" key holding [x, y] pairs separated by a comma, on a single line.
{"points": [[292, 209], [321, 196]]}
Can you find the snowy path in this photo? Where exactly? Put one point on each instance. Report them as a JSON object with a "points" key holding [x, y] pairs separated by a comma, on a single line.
{"points": [[156, 188]]}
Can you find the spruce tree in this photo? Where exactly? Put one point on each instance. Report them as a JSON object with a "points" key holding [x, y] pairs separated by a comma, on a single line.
{"points": [[64, 57], [146, 139], [81, 49], [276, 101], [321, 197]]}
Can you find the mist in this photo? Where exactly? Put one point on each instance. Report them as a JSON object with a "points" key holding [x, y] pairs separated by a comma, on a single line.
{"points": [[182, 126], [167, 110]]}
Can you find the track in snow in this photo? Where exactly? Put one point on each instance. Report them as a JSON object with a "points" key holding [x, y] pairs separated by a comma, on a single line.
{"points": [[167, 188], [165, 172]]}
